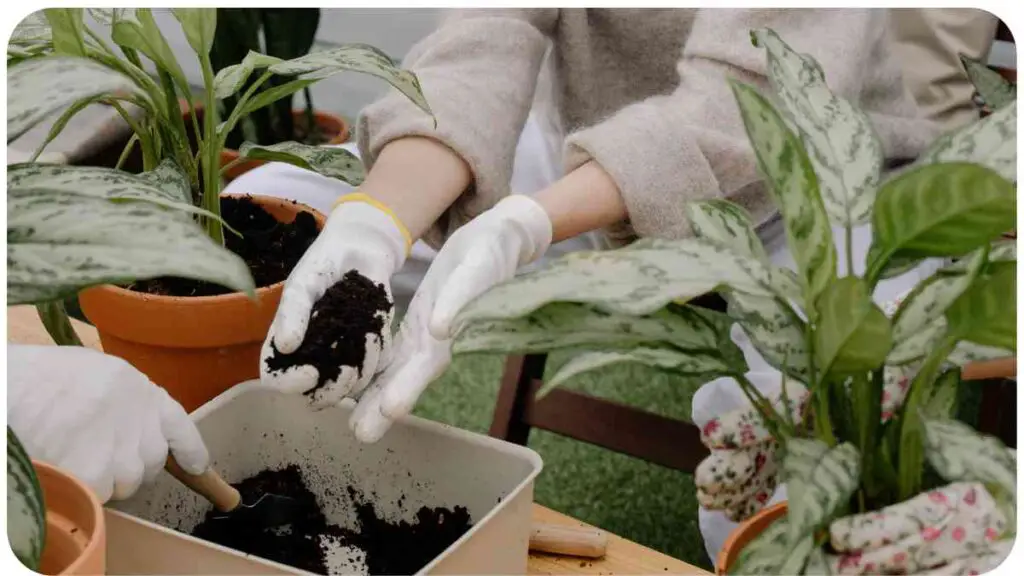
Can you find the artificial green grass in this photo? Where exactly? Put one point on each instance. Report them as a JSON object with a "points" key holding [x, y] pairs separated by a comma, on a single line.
{"points": [[649, 504]]}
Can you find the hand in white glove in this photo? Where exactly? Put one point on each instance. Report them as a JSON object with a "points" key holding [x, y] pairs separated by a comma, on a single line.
{"points": [[361, 237], [481, 254], [97, 417]]}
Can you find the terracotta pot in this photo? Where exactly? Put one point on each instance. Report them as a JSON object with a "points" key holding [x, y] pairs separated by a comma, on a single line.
{"points": [[76, 536], [195, 347], [331, 125], [744, 533]]}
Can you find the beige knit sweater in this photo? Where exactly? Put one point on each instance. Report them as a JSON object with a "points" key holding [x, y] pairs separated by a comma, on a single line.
{"points": [[641, 91]]}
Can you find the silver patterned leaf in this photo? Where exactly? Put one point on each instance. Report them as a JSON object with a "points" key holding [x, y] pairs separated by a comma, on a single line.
{"points": [[774, 330], [360, 58], [331, 162], [726, 224], [26, 510], [995, 90], [818, 480], [790, 175], [32, 94], [841, 142], [770, 551], [699, 365], [230, 79], [968, 352], [34, 29], [635, 280], [960, 454], [991, 142]]}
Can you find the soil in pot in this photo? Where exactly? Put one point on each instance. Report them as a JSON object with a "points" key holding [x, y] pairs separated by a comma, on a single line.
{"points": [[270, 248], [339, 321], [374, 546]]}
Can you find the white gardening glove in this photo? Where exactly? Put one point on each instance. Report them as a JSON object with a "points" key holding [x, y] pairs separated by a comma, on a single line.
{"points": [[97, 417], [481, 254], [955, 529], [360, 237]]}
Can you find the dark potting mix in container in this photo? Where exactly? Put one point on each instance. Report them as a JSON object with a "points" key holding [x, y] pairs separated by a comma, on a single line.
{"points": [[374, 546]]}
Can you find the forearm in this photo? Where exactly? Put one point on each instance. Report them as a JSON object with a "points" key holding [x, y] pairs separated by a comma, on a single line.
{"points": [[586, 199], [417, 178]]}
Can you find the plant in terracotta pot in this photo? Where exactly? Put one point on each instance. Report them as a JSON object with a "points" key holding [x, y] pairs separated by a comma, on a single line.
{"points": [[192, 336], [881, 478]]}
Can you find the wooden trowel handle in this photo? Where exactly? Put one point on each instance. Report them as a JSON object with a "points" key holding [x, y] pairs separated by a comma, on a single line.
{"points": [[580, 541], [209, 485]]}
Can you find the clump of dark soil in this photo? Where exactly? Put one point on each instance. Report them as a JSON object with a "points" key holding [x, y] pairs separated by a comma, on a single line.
{"points": [[271, 249], [338, 325], [390, 548]]}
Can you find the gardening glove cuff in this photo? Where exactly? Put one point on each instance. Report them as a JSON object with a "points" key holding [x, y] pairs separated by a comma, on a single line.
{"points": [[376, 222]]}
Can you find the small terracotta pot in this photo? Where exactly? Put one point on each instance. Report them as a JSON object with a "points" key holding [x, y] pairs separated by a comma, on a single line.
{"points": [[329, 124], [751, 528], [195, 347], [76, 536]]}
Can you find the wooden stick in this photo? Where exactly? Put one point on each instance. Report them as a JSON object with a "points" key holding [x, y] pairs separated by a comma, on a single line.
{"points": [[578, 541], [988, 369], [209, 485]]}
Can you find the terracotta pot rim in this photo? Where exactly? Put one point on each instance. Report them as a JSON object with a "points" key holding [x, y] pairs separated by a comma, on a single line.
{"points": [[725, 554], [94, 504]]}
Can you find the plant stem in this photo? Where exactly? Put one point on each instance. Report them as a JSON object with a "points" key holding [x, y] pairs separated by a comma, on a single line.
{"points": [[210, 146], [237, 112], [58, 325], [849, 250], [225, 168], [127, 151], [311, 126], [99, 40], [145, 142]]}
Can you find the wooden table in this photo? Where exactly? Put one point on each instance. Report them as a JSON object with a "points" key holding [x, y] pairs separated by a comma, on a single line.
{"points": [[623, 556]]}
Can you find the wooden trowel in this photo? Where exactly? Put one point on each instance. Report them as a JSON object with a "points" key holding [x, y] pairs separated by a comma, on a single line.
{"points": [[268, 511]]}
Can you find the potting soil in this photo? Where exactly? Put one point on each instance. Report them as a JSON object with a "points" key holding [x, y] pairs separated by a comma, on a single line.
{"points": [[338, 325], [270, 248], [375, 547]]}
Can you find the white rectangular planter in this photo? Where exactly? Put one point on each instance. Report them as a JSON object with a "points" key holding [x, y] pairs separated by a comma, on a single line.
{"points": [[249, 429]]}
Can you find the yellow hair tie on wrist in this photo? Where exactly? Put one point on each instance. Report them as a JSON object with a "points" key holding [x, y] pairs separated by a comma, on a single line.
{"points": [[365, 198]]}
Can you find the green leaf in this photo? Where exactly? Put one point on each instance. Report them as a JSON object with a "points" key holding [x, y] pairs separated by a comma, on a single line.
{"points": [[819, 480], [991, 142], [942, 402], [68, 30], [726, 224], [995, 90], [635, 280], [26, 511], [853, 334], [231, 79], [145, 36], [986, 313], [960, 454], [354, 58], [32, 94], [199, 25], [107, 16], [840, 140], [788, 171], [703, 366], [331, 162], [920, 320], [939, 210]]}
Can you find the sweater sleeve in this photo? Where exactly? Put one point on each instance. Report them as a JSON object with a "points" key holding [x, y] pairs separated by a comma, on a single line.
{"points": [[690, 144], [478, 72]]}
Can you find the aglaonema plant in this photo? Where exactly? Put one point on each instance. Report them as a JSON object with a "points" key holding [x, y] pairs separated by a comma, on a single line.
{"points": [[56, 62], [818, 326], [26, 508]]}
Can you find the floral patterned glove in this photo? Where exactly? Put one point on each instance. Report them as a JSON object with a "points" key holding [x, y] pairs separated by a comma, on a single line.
{"points": [[956, 529]]}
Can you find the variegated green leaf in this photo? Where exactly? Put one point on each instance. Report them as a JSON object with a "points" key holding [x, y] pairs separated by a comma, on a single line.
{"points": [[769, 551], [920, 319], [840, 140], [26, 510], [331, 162], [853, 334], [703, 366], [635, 280], [995, 90], [960, 454], [991, 142], [354, 58], [726, 224], [818, 480], [777, 333], [943, 398], [32, 94], [55, 248], [968, 352], [790, 176], [564, 325], [68, 30], [939, 210], [33, 30], [198, 24], [986, 313], [231, 79], [143, 34]]}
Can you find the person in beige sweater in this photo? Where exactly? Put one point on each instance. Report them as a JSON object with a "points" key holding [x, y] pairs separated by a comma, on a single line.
{"points": [[651, 124]]}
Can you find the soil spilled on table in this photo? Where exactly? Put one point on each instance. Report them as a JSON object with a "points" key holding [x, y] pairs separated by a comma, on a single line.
{"points": [[310, 543], [338, 325], [270, 248]]}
